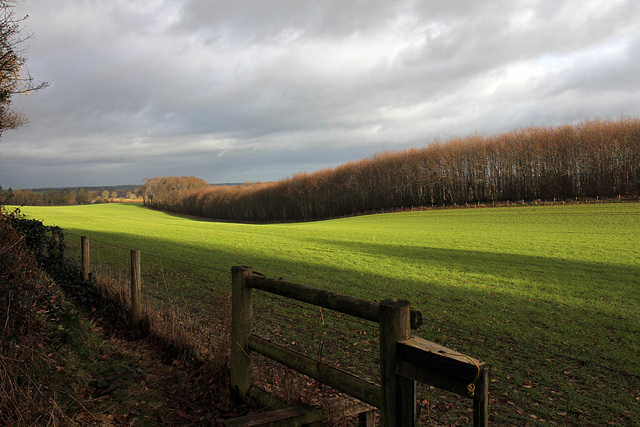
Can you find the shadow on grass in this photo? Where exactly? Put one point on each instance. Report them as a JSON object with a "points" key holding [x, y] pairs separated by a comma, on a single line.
{"points": [[558, 296], [591, 332], [581, 279]]}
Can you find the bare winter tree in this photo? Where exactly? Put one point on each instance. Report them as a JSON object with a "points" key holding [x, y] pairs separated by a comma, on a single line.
{"points": [[14, 74]]}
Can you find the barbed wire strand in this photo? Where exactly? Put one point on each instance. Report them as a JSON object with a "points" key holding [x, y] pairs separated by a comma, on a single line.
{"points": [[329, 313], [156, 256]]}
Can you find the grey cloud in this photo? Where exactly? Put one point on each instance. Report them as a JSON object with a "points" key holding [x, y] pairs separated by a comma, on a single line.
{"points": [[260, 22], [163, 87]]}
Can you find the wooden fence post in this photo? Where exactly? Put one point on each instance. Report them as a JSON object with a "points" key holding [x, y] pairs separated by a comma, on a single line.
{"points": [[241, 313], [136, 294], [398, 393], [481, 402], [57, 248], [84, 240]]}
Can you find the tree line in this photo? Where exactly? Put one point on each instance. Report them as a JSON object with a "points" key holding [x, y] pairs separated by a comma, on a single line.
{"points": [[169, 192], [66, 196], [595, 158]]}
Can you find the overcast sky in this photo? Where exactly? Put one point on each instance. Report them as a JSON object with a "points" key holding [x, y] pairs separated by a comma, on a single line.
{"points": [[233, 91]]}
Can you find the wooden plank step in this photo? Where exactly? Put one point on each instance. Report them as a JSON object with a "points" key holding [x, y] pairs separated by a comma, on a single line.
{"points": [[292, 416]]}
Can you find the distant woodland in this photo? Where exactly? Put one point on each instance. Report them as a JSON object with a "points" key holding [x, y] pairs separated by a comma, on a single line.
{"points": [[68, 196], [593, 159]]}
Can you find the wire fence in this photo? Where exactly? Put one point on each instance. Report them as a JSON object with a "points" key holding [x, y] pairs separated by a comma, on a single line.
{"points": [[530, 384]]}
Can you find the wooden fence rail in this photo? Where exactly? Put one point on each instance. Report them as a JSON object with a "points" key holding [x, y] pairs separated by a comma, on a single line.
{"points": [[356, 307], [403, 359]]}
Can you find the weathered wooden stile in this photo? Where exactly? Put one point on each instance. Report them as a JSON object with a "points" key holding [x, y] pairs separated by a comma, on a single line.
{"points": [[403, 359]]}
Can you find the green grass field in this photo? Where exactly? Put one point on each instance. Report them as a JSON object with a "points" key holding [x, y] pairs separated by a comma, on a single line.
{"points": [[563, 279]]}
